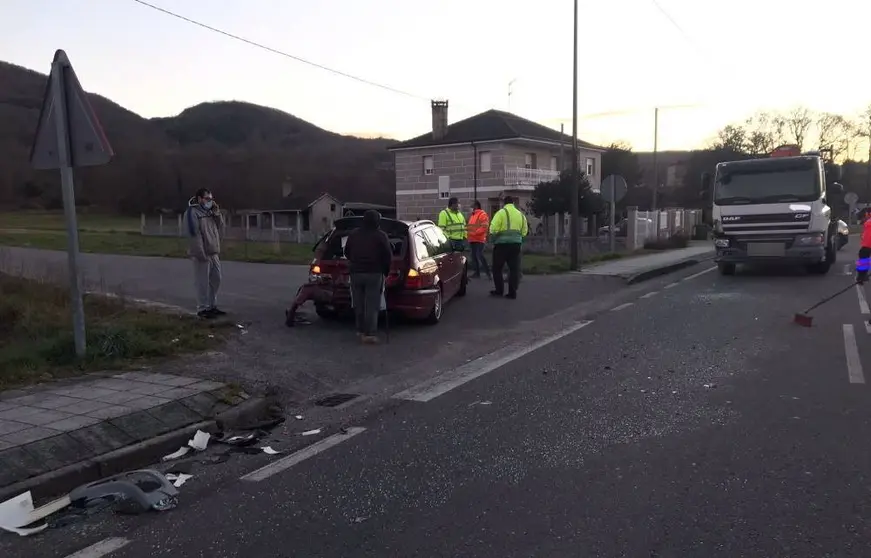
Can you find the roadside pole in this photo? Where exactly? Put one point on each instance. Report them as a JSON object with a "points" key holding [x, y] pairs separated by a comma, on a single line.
{"points": [[69, 135], [575, 232]]}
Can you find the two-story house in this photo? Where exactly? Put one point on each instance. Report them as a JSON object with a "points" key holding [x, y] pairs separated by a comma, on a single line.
{"points": [[483, 157]]}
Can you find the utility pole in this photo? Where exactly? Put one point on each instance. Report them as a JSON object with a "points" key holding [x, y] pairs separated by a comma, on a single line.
{"points": [[656, 169], [575, 263], [868, 170]]}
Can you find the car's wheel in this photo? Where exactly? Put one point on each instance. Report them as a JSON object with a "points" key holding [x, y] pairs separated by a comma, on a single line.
{"points": [[464, 283], [435, 316], [325, 312], [726, 268]]}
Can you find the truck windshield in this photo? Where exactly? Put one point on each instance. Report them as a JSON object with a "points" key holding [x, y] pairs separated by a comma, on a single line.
{"points": [[760, 185]]}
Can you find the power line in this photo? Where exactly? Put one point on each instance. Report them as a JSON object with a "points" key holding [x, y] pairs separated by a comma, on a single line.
{"points": [[676, 25], [282, 53]]}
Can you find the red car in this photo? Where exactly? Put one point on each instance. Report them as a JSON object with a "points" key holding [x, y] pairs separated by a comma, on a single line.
{"points": [[426, 272]]}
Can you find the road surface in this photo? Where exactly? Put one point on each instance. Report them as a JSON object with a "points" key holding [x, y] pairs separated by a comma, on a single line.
{"points": [[691, 418]]}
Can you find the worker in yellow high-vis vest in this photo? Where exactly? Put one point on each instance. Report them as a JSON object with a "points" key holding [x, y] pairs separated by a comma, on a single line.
{"points": [[508, 227], [453, 223]]}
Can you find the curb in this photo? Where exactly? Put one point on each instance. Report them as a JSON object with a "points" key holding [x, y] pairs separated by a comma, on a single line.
{"points": [[666, 269], [134, 456]]}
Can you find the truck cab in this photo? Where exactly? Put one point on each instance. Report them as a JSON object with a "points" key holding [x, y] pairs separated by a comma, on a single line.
{"points": [[775, 210]]}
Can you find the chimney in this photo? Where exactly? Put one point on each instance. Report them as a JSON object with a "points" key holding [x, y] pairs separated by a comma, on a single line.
{"points": [[439, 120]]}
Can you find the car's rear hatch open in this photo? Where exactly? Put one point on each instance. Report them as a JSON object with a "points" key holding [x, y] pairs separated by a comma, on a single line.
{"points": [[330, 266]]}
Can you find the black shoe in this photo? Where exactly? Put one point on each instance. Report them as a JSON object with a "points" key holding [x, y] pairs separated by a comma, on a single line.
{"points": [[206, 314], [495, 293], [217, 312], [512, 296]]}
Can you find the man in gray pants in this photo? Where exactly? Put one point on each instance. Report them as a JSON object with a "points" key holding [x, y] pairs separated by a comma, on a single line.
{"points": [[204, 224], [369, 255]]}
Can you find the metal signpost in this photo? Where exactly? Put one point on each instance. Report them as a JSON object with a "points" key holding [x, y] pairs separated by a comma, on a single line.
{"points": [[851, 198], [613, 189], [69, 135]]}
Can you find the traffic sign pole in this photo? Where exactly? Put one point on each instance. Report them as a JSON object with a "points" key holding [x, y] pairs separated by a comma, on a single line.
{"points": [[69, 199], [611, 227]]}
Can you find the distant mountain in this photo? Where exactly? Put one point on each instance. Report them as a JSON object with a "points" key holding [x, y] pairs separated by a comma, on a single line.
{"points": [[247, 154]]}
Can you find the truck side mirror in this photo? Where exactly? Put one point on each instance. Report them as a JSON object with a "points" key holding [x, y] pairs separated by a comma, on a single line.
{"points": [[705, 191], [837, 187]]}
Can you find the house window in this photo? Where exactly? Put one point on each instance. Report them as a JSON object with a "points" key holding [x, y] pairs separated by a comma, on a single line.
{"points": [[332, 207], [531, 161], [444, 187], [427, 164], [554, 163], [485, 161], [591, 166]]}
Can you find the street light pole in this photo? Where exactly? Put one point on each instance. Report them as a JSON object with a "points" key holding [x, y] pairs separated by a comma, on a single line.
{"points": [[575, 264]]}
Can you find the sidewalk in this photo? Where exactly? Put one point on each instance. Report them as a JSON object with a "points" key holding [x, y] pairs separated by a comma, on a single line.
{"points": [[46, 429], [647, 266]]}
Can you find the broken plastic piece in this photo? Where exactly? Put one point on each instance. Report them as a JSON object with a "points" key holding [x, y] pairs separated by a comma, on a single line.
{"points": [[240, 439], [312, 432], [298, 417], [179, 479], [180, 452], [200, 440], [132, 492], [268, 450]]}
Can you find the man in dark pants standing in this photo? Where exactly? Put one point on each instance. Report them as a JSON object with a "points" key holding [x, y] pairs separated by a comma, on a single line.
{"points": [[508, 227], [369, 254]]}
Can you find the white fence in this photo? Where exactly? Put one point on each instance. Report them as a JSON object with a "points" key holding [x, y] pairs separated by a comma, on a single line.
{"points": [[645, 226]]}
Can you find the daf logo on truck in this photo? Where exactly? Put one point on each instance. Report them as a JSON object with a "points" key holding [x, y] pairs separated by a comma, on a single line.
{"points": [[768, 191]]}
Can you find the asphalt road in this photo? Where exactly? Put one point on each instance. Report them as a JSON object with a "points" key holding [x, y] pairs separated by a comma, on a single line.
{"points": [[316, 360], [692, 419]]}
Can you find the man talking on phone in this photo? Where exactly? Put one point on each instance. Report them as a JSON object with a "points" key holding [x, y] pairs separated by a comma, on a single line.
{"points": [[205, 224]]}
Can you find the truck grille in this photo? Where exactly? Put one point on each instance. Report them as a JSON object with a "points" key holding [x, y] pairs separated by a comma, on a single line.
{"points": [[798, 221]]}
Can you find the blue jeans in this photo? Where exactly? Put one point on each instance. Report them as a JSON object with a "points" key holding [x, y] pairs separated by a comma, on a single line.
{"points": [[479, 261]]}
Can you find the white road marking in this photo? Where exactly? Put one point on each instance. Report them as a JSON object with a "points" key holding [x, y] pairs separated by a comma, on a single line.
{"points": [[102, 548], [863, 304], [650, 294], [285, 463], [671, 285], [622, 306], [694, 275], [443, 383], [846, 270], [854, 364]]}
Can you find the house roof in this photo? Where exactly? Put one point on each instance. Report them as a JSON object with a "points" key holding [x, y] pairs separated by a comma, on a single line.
{"points": [[490, 126]]}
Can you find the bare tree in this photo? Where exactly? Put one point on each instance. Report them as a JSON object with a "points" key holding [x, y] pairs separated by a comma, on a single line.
{"points": [[764, 133], [732, 137], [836, 133], [798, 123]]}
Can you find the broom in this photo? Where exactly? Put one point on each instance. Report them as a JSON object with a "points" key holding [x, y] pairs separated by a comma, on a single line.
{"points": [[804, 320]]}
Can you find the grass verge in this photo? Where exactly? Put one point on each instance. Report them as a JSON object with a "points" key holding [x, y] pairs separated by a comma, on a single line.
{"points": [[36, 338], [55, 221]]}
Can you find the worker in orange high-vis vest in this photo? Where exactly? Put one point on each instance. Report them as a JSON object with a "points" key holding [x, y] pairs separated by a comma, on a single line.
{"points": [[477, 228]]}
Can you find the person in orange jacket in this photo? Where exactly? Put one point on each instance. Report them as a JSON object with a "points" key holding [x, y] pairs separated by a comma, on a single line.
{"points": [[863, 263], [477, 227]]}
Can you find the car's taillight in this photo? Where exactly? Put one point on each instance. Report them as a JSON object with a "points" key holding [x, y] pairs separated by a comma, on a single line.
{"points": [[414, 280], [314, 273]]}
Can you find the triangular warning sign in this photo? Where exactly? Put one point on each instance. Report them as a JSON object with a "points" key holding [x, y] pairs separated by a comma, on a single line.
{"points": [[87, 142]]}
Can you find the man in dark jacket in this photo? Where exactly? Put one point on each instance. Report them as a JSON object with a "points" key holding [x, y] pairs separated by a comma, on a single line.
{"points": [[369, 254]]}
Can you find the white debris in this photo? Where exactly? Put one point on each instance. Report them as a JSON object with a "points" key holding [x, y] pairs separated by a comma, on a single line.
{"points": [[269, 451], [180, 452], [200, 440], [178, 479], [298, 417], [311, 432]]}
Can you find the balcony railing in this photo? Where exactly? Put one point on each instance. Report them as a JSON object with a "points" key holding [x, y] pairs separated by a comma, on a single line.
{"points": [[520, 176]]}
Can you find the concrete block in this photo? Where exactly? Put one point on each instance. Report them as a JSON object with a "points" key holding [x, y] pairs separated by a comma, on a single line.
{"points": [[58, 451], [72, 423], [42, 417], [83, 407], [111, 412], [146, 402], [175, 415], [101, 438], [29, 435], [139, 426], [10, 426]]}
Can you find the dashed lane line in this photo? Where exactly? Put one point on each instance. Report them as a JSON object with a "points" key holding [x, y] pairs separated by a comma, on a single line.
{"points": [[699, 274], [854, 364], [443, 383], [863, 304], [102, 548], [295, 458], [622, 306], [650, 294], [672, 285]]}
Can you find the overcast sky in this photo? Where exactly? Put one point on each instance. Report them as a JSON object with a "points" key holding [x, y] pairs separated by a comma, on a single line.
{"points": [[724, 59]]}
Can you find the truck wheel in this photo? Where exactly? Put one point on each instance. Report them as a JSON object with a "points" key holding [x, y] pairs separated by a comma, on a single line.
{"points": [[823, 267], [726, 268]]}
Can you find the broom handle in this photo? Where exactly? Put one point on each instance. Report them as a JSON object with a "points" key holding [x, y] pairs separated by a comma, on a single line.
{"points": [[825, 300]]}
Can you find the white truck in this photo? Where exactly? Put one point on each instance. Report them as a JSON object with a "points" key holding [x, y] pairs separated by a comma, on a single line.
{"points": [[776, 210]]}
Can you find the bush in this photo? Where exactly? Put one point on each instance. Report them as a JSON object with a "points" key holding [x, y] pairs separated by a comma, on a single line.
{"points": [[671, 243]]}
